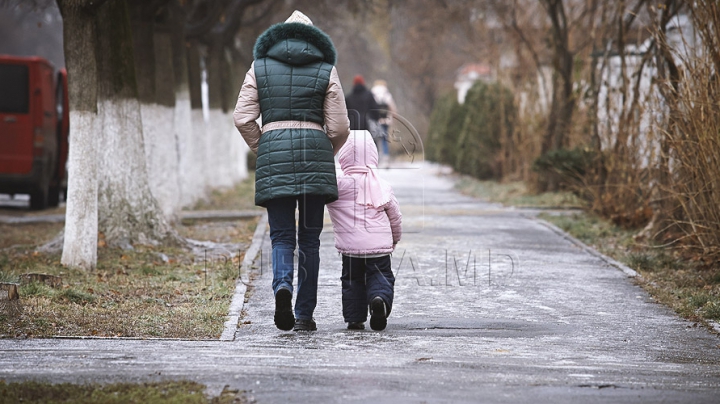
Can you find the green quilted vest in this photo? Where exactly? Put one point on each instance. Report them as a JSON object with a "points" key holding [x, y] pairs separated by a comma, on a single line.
{"points": [[292, 74]]}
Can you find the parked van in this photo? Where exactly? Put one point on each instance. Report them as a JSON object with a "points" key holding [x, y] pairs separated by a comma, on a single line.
{"points": [[34, 123]]}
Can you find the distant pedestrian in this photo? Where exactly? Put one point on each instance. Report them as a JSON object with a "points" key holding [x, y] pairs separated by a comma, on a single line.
{"points": [[294, 85], [368, 225], [363, 111], [387, 107]]}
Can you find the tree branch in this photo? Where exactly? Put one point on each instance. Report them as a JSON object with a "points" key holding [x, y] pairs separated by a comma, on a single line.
{"points": [[209, 13], [632, 15], [96, 4], [513, 26], [233, 18], [269, 8]]}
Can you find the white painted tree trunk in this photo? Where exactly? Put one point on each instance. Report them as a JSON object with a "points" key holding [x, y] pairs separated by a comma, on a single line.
{"points": [[238, 161], [127, 210], [161, 152], [201, 152], [232, 150], [229, 151], [220, 160], [81, 212], [190, 166]]}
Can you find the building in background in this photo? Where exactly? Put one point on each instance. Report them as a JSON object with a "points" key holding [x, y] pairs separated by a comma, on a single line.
{"points": [[469, 74]]}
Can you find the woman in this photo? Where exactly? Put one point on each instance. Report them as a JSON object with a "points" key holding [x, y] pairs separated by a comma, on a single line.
{"points": [[294, 85]]}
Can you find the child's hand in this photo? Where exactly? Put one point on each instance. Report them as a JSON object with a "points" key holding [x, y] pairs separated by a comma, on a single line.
{"points": [[394, 244]]}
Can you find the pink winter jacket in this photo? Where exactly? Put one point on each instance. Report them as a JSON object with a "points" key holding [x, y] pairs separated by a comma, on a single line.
{"points": [[363, 229]]}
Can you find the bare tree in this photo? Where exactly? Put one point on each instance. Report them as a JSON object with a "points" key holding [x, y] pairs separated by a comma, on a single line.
{"points": [[128, 69], [81, 223], [154, 71], [564, 65], [128, 211]]}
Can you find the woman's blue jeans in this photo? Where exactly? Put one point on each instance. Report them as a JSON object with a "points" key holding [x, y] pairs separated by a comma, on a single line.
{"points": [[281, 216]]}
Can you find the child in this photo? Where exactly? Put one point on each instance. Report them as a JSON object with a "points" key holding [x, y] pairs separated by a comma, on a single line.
{"points": [[368, 224]]}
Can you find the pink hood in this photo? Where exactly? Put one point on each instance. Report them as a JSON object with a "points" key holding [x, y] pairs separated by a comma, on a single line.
{"points": [[359, 158], [366, 217]]}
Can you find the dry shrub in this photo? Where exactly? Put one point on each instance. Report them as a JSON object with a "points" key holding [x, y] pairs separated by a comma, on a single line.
{"points": [[617, 187], [618, 184], [691, 141], [523, 146]]}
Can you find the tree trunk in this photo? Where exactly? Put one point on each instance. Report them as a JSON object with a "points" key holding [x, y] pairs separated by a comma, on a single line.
{"points": [[218, 130], [156, 109], [189, 157], [81, 217], [563, 102], [128, 212], [169, 138], [201, 141], [233, 76], [669, 75]]}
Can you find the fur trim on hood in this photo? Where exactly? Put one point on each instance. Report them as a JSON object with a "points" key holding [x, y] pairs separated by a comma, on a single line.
{"points": [[296, 30]]}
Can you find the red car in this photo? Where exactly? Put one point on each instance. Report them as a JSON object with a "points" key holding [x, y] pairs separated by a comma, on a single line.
{"points": [[34, 126]]}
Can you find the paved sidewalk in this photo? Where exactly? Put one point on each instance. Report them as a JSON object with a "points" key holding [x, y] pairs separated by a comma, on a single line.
{"points": [[491, 306]]}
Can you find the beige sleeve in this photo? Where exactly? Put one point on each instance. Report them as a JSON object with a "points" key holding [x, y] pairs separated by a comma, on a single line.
{"points": [[247, 110], [336, 119]]}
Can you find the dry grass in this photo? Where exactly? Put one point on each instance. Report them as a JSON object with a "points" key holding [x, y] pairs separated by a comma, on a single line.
{"points": [[516, 193], [147, 292], [161, 392], [27, 235], [164, 292], [237, 231]]}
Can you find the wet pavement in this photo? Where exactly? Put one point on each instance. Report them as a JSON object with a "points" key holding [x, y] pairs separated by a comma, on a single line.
{"points": [[490, 306]]}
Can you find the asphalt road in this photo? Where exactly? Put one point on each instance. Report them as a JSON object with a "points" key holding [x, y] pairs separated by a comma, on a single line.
{"points": [[491, 306]]}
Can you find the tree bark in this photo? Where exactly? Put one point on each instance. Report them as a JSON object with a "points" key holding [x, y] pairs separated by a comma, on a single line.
{"points": [[81, 215], [128, 212], [189, 174], [232, 77], [669, 73], [201, 140], [563, 101], [156, 108], [218, 124]]}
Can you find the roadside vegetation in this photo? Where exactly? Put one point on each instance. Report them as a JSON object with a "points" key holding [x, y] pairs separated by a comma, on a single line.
{"points": [[186, 392], [516, 193], [145, 292], [689, 287]]}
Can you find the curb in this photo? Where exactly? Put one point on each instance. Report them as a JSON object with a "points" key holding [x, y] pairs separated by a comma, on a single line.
{"points": [[626, 269], [96, 338], [32, 219], [238, 300]]}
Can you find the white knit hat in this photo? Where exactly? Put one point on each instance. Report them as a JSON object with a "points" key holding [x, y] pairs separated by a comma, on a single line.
{"points": [[297, 16]]}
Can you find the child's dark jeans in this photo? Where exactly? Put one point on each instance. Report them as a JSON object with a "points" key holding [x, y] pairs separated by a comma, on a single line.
{"points": [[363, 279]]}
